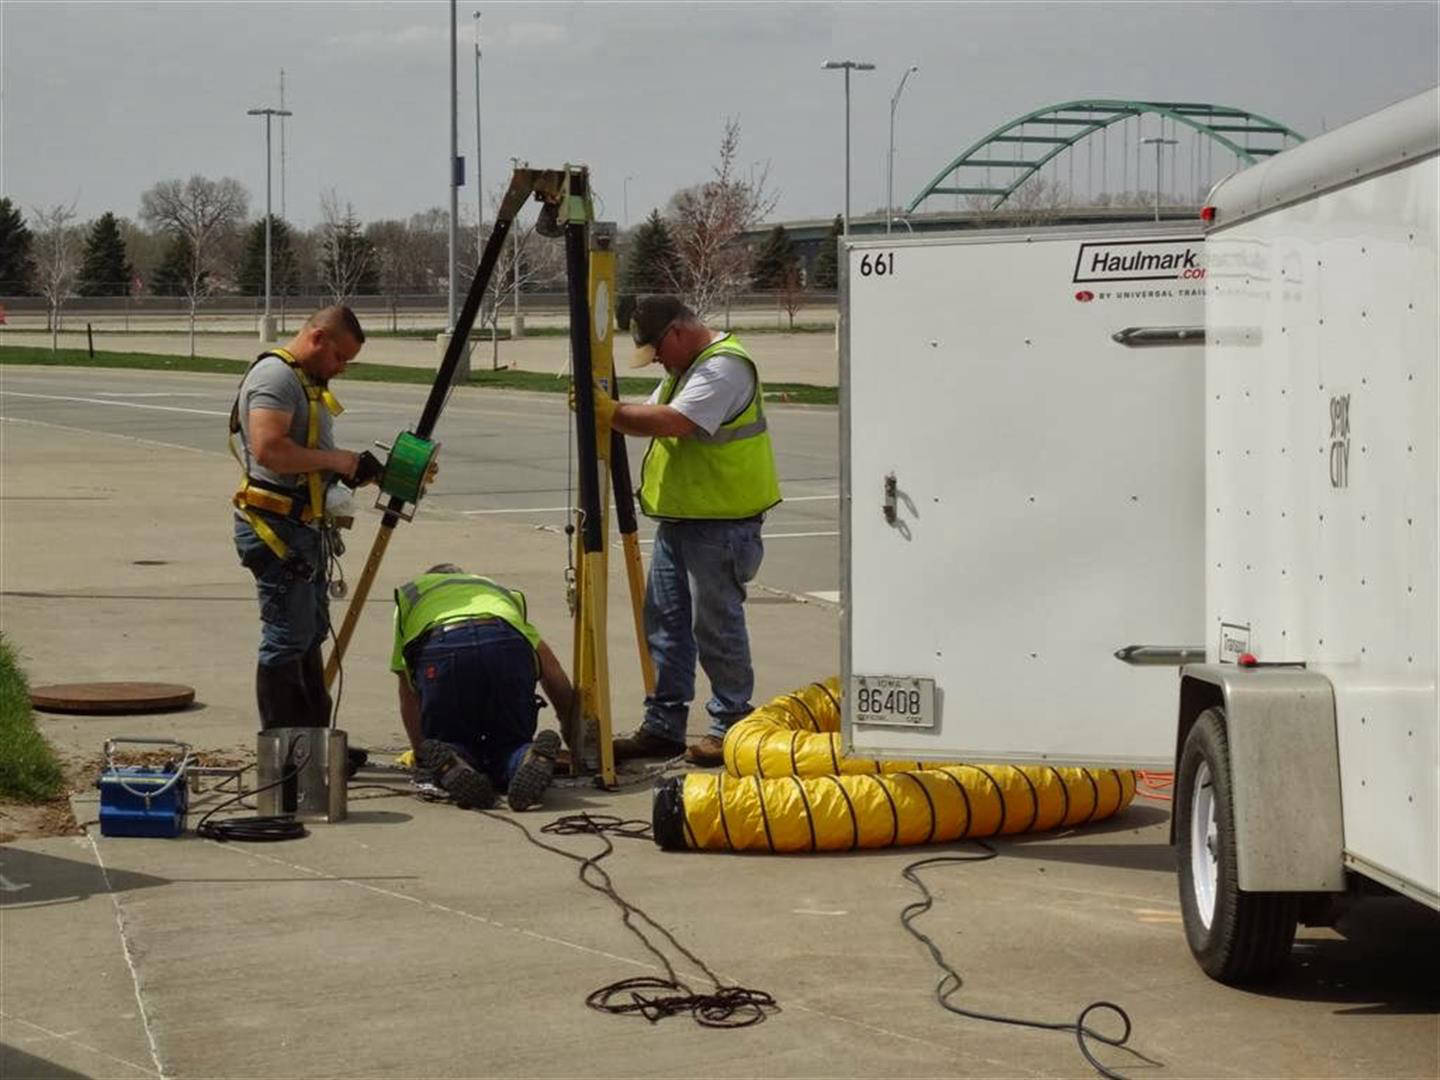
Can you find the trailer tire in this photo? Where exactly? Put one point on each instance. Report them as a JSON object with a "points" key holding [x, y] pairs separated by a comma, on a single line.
{"points": [[1237, 937]]}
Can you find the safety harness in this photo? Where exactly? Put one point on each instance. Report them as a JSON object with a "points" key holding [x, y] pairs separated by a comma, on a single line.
{"points": [[305, 506]]}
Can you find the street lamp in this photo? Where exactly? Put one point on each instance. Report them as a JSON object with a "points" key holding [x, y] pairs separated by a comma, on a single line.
{"points": [[625, 199], [267, 325], [847, 66], [1158, 143], [479, 186], [890, 164]]}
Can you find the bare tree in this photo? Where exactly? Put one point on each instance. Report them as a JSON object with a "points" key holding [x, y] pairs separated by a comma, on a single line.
{"points": [[526, 259], [348, 266], [1033, 203], [708, 222], [203, 212], [792, 290], [400, 262], [57, 261]]}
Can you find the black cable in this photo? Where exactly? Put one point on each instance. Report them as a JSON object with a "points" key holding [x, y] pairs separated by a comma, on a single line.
{"points": [[259, 829], [650, 996], [951, 982]]}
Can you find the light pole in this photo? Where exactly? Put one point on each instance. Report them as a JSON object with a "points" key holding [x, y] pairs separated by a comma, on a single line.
{"points": [[890, 161], [625, 199], [267, 324], [455, 177], [847, 66], [1158, 142], [517, 322], [479, 186]]}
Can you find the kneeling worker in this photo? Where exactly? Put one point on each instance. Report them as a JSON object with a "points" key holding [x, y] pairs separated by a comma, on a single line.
{"points": [[468, 660]]}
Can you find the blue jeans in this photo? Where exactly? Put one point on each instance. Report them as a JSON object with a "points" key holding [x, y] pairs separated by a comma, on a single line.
{"points": [[476, 684], [294, 608], [694, 602]]}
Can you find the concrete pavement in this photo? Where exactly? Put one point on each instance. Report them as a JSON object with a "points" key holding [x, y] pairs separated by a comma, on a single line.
{"points": [[416, 939]]}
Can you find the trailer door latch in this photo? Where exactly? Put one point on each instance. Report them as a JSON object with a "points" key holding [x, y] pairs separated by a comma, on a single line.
{"points": [[888, 506]]}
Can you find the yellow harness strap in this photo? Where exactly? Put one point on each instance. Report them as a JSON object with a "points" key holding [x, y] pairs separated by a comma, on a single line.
{"points": [[248, 496]]}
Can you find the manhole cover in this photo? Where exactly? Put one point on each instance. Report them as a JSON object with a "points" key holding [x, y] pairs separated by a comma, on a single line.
{"points": [[111, 697]]}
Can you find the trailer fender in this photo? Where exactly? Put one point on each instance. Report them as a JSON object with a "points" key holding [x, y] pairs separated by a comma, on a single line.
{"points": [[1285, 771]]}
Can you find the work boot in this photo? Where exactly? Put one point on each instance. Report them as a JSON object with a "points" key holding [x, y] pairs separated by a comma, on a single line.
{"points": [[319, 704], [707, 751], [280, 695], [645, 744], [535, 771], [317, 698], [470, 788]]}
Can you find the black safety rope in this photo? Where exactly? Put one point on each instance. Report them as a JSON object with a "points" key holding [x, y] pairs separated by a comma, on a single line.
{"points": [[951, 982], [650, 996]]}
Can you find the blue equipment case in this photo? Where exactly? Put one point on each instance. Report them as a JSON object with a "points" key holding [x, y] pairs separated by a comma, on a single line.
{"points": [[138, 800]]}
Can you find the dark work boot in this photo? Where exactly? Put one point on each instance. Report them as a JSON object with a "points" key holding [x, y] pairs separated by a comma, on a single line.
{"points": [[320, 706], [280, 695], [316, 696], [470, 788]]}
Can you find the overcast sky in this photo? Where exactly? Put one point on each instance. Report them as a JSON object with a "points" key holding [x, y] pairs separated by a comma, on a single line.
{"points": [[101, 100]]}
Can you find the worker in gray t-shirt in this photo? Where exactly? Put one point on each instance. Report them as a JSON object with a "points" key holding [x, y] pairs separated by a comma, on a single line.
{"points": [[282, 432]]}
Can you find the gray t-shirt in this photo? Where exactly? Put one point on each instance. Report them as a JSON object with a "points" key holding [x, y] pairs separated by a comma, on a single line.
{"points": [[717, 389], [270, 384]]}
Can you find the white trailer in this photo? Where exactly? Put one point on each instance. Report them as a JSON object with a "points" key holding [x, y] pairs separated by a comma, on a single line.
{"points": [[1306, 752], [1039, 471]]}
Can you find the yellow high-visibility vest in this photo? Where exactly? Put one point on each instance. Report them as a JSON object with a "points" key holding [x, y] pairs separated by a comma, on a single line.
{"points": [[721, 477]]}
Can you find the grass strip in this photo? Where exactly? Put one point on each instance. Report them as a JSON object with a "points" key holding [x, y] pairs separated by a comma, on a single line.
{"points": [[360, 371], [29, 769]]}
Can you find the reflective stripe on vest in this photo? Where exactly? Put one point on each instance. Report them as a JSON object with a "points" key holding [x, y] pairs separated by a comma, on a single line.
{"points": [[431, 600], [725, 476]]}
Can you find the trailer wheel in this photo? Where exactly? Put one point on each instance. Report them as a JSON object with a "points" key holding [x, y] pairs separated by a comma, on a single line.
{"points": [[1237, 937]]}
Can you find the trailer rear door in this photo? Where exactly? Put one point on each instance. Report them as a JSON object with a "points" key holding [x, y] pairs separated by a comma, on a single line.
{"points": [[1023, 490]]}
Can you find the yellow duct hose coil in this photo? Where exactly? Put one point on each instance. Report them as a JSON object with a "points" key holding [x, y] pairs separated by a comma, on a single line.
{"points": [[787, 788], [897, 809]]}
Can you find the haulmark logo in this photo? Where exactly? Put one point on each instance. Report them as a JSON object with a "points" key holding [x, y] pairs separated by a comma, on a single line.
{"points": [[1140, 260]]}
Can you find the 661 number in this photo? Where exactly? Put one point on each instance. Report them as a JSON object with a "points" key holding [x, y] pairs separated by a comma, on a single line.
{"points": [[877, 265], [889, 701]]}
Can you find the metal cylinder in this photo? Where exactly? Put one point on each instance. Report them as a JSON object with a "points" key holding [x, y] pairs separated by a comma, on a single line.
{"points": [[302, 772]]}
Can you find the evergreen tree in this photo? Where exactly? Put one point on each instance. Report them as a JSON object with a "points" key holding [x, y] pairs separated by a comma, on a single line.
{"points": [[827, 266], [172, 276], [773, 259], [648, 267], [349, 265], [106, 270], [284, 266], [17, 264]]}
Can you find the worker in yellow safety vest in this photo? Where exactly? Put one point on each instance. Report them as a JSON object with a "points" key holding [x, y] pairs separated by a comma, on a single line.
{"points": [[708, 478], [282, 435], [468, 659]]}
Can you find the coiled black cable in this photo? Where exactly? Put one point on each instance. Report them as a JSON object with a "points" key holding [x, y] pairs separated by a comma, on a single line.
{"points": [[649, 996], [951, 982], [259, 829]]}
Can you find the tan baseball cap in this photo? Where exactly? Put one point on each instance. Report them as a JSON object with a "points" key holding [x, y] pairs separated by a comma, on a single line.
{"points": [[650, 321]]}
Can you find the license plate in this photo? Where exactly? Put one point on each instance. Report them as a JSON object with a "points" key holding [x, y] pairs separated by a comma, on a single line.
{"points": [[893, 700]]}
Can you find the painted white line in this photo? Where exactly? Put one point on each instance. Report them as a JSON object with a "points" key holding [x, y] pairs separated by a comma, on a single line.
{"points": [[114, 404], [112, 435], [808, 498], [831, 596], [148, 393], [816, 911], [64, 1036], [518, 510], [129, 958]]}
